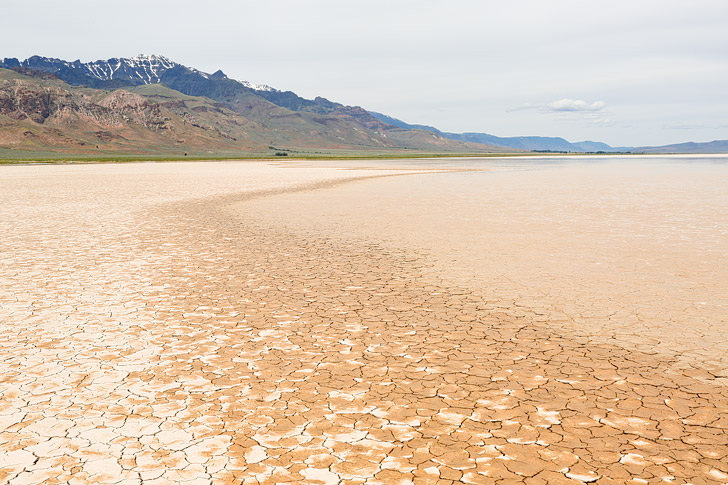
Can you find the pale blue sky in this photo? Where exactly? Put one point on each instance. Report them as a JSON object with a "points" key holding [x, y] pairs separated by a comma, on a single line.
{"points": [[644, 72]]}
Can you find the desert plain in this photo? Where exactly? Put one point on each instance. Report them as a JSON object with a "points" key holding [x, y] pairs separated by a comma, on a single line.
{"points": [[529, 321]]}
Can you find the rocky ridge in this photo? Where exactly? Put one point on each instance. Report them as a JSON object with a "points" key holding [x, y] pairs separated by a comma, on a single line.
{"points": [[22, 100], [192, 113]]}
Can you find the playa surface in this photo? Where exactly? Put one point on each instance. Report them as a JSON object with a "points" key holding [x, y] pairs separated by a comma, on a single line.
{"points": [[240, 322], [628, 250]]}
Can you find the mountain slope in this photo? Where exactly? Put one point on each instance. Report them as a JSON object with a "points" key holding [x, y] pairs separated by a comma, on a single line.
{"points": [[41, 114], [142, 70], [38, 111], [715, 146], [407, 126], [258, 101]]}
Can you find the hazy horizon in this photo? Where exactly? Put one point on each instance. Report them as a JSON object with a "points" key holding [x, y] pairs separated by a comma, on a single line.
{"points": [[647, 73]]}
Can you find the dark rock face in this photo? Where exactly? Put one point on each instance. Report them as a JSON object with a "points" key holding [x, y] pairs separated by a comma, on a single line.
{"points": [[292, 101], [10, 63], [194, 83], [20, 102], [106, 74]]}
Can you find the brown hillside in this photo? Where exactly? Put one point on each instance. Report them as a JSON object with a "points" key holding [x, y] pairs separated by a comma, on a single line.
{"points": [[43, 113]]}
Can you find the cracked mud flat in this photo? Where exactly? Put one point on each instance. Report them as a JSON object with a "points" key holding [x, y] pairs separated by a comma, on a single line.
{"points": [[156, 328]]}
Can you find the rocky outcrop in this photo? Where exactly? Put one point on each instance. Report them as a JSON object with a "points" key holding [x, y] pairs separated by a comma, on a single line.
{"points": [[135, 109], [21, 100]]}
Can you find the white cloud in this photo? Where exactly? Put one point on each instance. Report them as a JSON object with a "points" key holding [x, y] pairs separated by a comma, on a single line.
{"points": [[567, 104]]}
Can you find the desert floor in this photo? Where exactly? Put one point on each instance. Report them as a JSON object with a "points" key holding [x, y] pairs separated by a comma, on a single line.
{"points": [[364, 322]]}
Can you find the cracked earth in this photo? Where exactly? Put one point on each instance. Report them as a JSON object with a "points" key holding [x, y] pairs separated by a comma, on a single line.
{"points": [[151, 333]]}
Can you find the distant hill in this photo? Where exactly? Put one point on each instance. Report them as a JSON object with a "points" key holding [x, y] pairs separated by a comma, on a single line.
{"points": [[535, 143], [715, 146], [530, 143], [52, 104]]}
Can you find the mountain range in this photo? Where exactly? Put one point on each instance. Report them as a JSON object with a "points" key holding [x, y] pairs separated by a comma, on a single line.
{"points": [[153, 105], [530, 143]]}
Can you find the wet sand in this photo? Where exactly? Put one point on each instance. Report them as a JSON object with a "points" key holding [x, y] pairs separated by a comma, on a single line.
{"points": [[162, 322]]}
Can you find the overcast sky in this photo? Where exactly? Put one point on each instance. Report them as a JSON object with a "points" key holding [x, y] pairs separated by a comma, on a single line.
{"points": [[635, 72]]}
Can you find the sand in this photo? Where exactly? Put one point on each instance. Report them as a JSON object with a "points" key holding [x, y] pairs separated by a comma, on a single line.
{"points": [[164, 323], [630, 251]]}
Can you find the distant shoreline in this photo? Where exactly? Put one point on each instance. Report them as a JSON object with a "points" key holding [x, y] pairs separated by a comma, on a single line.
{"points": [[73, 160]]}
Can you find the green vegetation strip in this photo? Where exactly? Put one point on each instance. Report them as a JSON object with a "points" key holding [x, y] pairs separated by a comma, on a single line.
{"points": [[6, 159]]}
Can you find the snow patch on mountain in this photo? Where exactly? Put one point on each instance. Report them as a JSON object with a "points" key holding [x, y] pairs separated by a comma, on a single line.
{"points": [[258, 87], [140, 69]]}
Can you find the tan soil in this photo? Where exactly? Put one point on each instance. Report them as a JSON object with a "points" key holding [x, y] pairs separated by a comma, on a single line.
{"points": [[153, 332]]}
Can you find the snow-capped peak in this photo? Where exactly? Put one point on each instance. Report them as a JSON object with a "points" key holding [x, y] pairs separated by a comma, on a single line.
{"points": [[257, 87], [139, 69], [150, 58]]}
